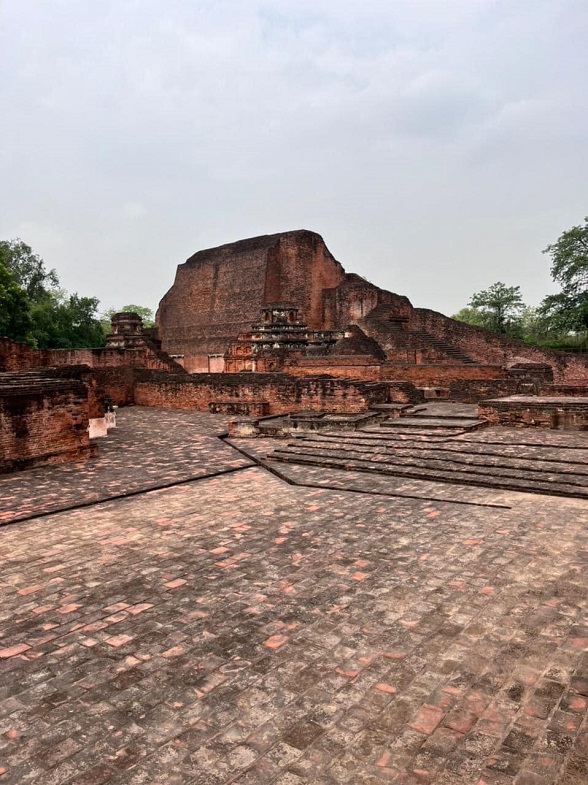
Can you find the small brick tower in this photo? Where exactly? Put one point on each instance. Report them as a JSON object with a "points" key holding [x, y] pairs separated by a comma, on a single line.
{"points": [[126, 331]]}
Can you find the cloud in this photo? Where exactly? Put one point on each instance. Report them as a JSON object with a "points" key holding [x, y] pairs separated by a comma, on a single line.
{"points": [[416, 136]]}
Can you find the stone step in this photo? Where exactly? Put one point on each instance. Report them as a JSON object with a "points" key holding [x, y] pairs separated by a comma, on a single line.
{"points": [[432, 421], [438, 432], [501, 465], [419, 421], [533, 452], [484, 480], [423, 415]]}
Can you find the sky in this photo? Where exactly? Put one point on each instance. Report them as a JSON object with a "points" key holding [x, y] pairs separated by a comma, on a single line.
{"points": [[437, 145]]}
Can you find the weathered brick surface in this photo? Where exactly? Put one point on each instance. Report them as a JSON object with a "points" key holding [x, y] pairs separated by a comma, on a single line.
{"points": [[118, 384], [217, 293], [242, 630], [44, 421], [564, 413], [355, 298], [149, 448], [16, 356], [488, 347], [283, 393], [434, 374], [367, 368]]}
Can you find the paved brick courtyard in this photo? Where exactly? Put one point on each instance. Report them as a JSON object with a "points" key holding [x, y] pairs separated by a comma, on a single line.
{"points": [[240, 629]]}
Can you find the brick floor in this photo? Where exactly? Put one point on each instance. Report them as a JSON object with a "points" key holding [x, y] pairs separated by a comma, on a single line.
{"points": [[149, 448], [239, 629]]}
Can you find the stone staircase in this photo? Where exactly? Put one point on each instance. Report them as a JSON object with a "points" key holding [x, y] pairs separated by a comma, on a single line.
{"points": [[384, 316], [423, 446], [443, 346]]}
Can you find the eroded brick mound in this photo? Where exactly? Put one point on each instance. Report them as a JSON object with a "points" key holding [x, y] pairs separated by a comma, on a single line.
{"points": [[356, 342], [218, 293]]}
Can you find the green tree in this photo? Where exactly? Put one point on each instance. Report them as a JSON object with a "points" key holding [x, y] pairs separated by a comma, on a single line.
{"points": [[66, 321], [501, 306], [57, 319], [568, 310], [15, 317], [145, 313], [471, 316], [28, 269]]}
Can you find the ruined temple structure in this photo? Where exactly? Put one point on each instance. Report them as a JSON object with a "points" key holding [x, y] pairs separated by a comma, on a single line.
{"points": [[126, 331], [282, 302], [280, 334]]}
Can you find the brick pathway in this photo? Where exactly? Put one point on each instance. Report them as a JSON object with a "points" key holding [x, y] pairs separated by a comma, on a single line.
{"points": [[238, 629], [148, 449]]}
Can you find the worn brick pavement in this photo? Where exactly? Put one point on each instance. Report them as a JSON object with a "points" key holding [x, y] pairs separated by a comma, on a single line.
{"points": [[238, 629], [148, 449]]}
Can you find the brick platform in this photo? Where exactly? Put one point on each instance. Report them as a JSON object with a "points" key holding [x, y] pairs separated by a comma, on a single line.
{"points": [[562, 412], [239, 629]]}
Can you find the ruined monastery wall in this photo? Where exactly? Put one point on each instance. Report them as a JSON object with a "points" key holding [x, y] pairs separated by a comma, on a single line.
{"points": [[488, 347], [217, 294], [16, 356], [282, 392], [43, 422]]}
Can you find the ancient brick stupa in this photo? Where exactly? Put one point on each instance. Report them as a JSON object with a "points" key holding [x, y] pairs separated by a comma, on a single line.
{"points": [[221, 295], [126, 331]]}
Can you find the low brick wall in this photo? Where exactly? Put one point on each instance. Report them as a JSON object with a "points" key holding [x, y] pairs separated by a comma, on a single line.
{"points": [[241, 408], [404, 392], [565, 390], [370, 369], [283, 393], [348, 366], [568, 414], [440, 375], [117, 384], [488, 347], [16, 356], [43, 421], [474, 390]]}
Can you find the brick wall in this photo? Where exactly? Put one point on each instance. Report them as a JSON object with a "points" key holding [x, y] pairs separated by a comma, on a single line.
{"points": [[351, 366], [217, 294], [488, 347], [283, 393], [440, 375], [300, 268], [44, 421], [117, 384], [559, 413], [404, 392], [15, 356], [145, 357]]}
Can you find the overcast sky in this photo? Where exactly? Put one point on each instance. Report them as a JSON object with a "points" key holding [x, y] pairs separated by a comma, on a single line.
{"points": [[437, 145]]}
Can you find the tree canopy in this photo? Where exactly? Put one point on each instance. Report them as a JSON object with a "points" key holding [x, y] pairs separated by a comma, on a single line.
{"points": [[50, 318], [569, 268], [15, 317], [28, 269], [561, 320], [499, 305]]}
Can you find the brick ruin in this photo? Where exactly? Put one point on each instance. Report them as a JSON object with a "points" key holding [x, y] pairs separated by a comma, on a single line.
{"points": [[234, 308], [45, 416], [53, 401], [267, 326]]}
